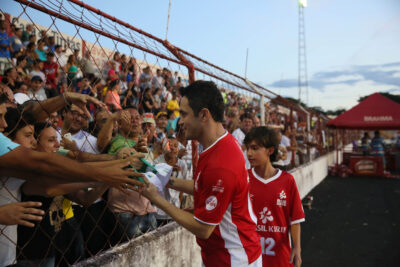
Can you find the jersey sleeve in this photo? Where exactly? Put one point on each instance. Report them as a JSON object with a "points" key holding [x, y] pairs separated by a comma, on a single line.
{"points": [[296, 207], [215, 190]]}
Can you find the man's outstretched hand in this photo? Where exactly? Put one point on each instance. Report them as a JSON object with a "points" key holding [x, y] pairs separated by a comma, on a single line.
{"points": [[21, 213], [114, 175]]}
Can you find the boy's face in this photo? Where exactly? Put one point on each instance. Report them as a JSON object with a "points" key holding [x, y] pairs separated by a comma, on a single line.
{"points": [[258, 155], [162, 122], [48, 141], [25, 137], [36, 85], [174, 146]]}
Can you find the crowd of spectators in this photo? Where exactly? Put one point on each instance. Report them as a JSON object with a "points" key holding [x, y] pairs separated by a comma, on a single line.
{"points": [[62, 104]]}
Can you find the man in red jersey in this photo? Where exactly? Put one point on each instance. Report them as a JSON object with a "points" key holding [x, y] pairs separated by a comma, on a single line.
{"points": [[276, 201], [223, 220]]}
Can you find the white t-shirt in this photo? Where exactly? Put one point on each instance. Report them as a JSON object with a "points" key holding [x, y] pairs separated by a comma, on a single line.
{"points": [[157, 82], [286, 143], [84, 141], [9, 193], [21, 98], [239, 135], [279, 162], [39, 95], [60, 59], [170, 194]]}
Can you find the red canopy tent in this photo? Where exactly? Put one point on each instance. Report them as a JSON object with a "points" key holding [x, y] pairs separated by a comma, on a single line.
{"points": [[376, 112]]}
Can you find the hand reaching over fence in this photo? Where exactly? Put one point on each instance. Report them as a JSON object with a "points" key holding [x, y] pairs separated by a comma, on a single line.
{"points": [[22, 213]]}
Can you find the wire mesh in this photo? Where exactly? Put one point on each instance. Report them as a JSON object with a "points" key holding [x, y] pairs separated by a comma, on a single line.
{"points": [[93, 88]]}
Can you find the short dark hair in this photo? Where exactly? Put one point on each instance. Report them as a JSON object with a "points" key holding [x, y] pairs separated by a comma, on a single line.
{"points": [[205, 94], [3, 98], [17, 119], [246, 115], [39, 127], [265, 137]]}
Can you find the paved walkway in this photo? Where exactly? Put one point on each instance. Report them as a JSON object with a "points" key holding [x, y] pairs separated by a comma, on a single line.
{"points": [[353, 222]]}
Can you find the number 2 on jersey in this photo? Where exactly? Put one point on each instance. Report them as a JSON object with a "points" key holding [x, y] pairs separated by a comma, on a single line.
{"points": [[267, 244]]}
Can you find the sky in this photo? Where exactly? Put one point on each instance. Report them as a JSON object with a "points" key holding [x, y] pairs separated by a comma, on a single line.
{"points": [[353, 47]]}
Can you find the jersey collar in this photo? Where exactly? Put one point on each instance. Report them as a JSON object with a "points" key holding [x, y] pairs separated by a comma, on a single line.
{"points": [[266, 181], [213, 144]]}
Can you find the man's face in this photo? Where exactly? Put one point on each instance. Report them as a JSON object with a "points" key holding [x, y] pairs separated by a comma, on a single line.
{"points": [[50, 59], [53, 119], [36, 85], [48, 141], [132, 128], [247, 124], [174, 146], [24, 89], [13, 74], [256, 154], [190, 123], [75, 119], [149, 127], [162, 122], [3, 123], [25, 137], [85, 83], [101, 118], [19, 33]]}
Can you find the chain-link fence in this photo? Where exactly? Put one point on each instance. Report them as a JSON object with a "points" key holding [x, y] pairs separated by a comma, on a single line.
{"points": [[95, 89]]}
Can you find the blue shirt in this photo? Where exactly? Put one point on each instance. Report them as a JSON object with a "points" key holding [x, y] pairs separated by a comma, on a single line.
{"points": [[4, 40], [6, 145], [377, 146]]}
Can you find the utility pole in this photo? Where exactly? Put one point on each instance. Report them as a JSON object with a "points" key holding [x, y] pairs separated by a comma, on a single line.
{"points": [[302, 56], [247, 57], [169, 12]]}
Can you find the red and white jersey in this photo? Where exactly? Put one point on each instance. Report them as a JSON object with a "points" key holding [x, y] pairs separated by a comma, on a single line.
{"points": [[277, 203], [221, 198]]}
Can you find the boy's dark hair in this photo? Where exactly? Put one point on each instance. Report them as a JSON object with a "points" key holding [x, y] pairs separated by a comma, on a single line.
{"points": [[3, 98], [205, 94], [246, 115], [39, 127], [17, 119], [113, 84], [265, 137]]}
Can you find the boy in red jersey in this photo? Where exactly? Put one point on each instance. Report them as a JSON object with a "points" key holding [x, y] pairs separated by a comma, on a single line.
{"points": [[276, 200], [223, 220]]}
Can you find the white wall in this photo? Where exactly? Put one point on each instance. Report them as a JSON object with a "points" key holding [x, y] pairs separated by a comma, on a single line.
{"points": [[172, 245], [309, 175]]}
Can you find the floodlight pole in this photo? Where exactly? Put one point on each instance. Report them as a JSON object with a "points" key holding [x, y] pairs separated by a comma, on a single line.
{"points": [[169, 13]]}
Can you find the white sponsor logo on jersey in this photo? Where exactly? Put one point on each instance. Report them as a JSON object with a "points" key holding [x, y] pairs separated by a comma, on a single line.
{"points": [[211, 202], [265, 215], [281, 201], [218, 187]]}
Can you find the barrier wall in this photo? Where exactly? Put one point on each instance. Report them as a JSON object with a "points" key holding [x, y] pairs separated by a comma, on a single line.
{"points": [[309, 175], [172, 245]]}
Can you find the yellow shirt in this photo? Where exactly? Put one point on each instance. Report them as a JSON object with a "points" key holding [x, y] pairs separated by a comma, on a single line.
{"points": [[174, 105]]}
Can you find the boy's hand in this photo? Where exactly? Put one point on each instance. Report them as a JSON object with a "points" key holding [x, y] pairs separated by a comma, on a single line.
{"points": [[295, 256]]}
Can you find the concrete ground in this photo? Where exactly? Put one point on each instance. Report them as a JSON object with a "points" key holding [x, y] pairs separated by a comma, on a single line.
{"points": [[353, 222]]}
